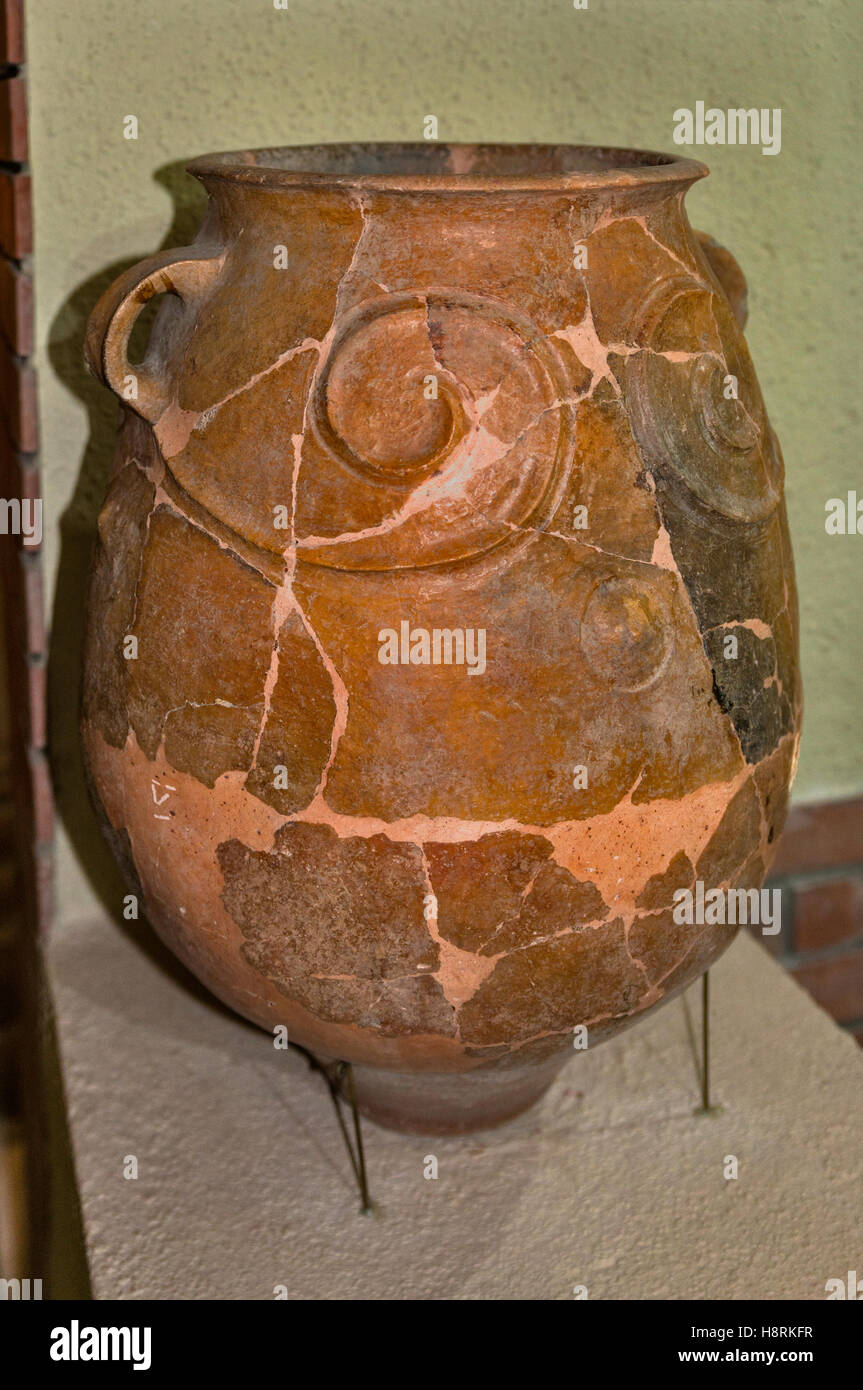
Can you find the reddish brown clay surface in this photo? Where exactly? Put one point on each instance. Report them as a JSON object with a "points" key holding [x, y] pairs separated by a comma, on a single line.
{"points": [[447, 475]]}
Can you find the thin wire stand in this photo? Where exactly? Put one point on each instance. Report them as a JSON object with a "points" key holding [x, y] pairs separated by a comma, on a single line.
{"points": [[358, 1154], [360, 1164], [335, 1074], [705, 1041], [705, 1107]]}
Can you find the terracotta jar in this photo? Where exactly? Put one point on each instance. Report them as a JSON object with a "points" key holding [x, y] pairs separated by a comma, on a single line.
{"points": [[442, 624]]}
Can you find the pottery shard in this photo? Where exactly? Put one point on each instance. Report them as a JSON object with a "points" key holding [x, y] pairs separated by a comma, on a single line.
{"points": [[116, 562], [623, 258], [492, 363], [286, 304], [553, 986], [609, 481], [524, 261], [728, 274], [752, 873], [333, 500], [732, 841], [556, 902], [721, 594], [374, 396], [204, 629], [773, 779], [239, 460], [674, 953], [337, 924], [585, 664], [267, 563], [499, 892], [481, 883], [747, 689], [659, 890], [299, 724]]}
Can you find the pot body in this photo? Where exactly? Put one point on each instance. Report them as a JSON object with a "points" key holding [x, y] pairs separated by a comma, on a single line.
{"points": [[447, 528]]}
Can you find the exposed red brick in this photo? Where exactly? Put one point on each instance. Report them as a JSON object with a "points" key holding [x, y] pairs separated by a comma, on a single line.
{"points": [[29, 486], [11, 31], [827, 913], [43, 798], [33, 818], [13, 120], [821, 837], [18, 400], [37, 703], [16, 307], [16, 215], [33, 606], [836, 984]]}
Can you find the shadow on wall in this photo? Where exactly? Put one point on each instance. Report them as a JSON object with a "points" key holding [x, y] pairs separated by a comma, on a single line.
{"points": [[77, 532]]}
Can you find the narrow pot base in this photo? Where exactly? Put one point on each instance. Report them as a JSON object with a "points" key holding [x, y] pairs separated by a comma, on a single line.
{"points": [[450, 1103]]}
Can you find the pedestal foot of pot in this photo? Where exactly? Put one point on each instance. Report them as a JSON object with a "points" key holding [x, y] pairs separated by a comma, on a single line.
{"points": [[451, 1103]]}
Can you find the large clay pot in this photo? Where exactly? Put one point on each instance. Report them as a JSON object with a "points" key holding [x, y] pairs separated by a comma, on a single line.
{"points": [[401, 401]]}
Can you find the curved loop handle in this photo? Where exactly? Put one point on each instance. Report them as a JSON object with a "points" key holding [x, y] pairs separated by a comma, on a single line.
{"points": [[184, 272], [729, 275]]}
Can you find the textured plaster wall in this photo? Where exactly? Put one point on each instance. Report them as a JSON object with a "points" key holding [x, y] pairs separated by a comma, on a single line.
{"points": [[213, 74]]}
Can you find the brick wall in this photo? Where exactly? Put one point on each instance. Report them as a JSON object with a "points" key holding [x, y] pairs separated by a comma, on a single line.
{"points": [[819, 867], [26, 653], [26, 807]]}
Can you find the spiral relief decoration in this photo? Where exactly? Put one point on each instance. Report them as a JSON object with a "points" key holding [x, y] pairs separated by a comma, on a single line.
{"points": [[445, 417], [627, 631], [696, 407]]}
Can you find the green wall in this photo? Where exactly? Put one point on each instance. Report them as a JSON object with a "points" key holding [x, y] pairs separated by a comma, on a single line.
{"points": [[219, 74]]}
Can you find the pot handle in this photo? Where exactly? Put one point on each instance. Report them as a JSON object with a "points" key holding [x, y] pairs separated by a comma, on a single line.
{"points": [[184, 272], [728, 273]]}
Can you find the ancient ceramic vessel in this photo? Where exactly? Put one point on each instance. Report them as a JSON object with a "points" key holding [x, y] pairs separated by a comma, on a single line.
{"points": [[443, 620]]}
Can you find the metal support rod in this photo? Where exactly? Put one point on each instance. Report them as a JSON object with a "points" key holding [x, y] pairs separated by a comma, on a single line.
{"points": [[360, 1165], [705, 1040]]}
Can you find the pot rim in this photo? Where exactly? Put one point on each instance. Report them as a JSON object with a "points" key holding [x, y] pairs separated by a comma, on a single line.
{"points": [[451, 167]]}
